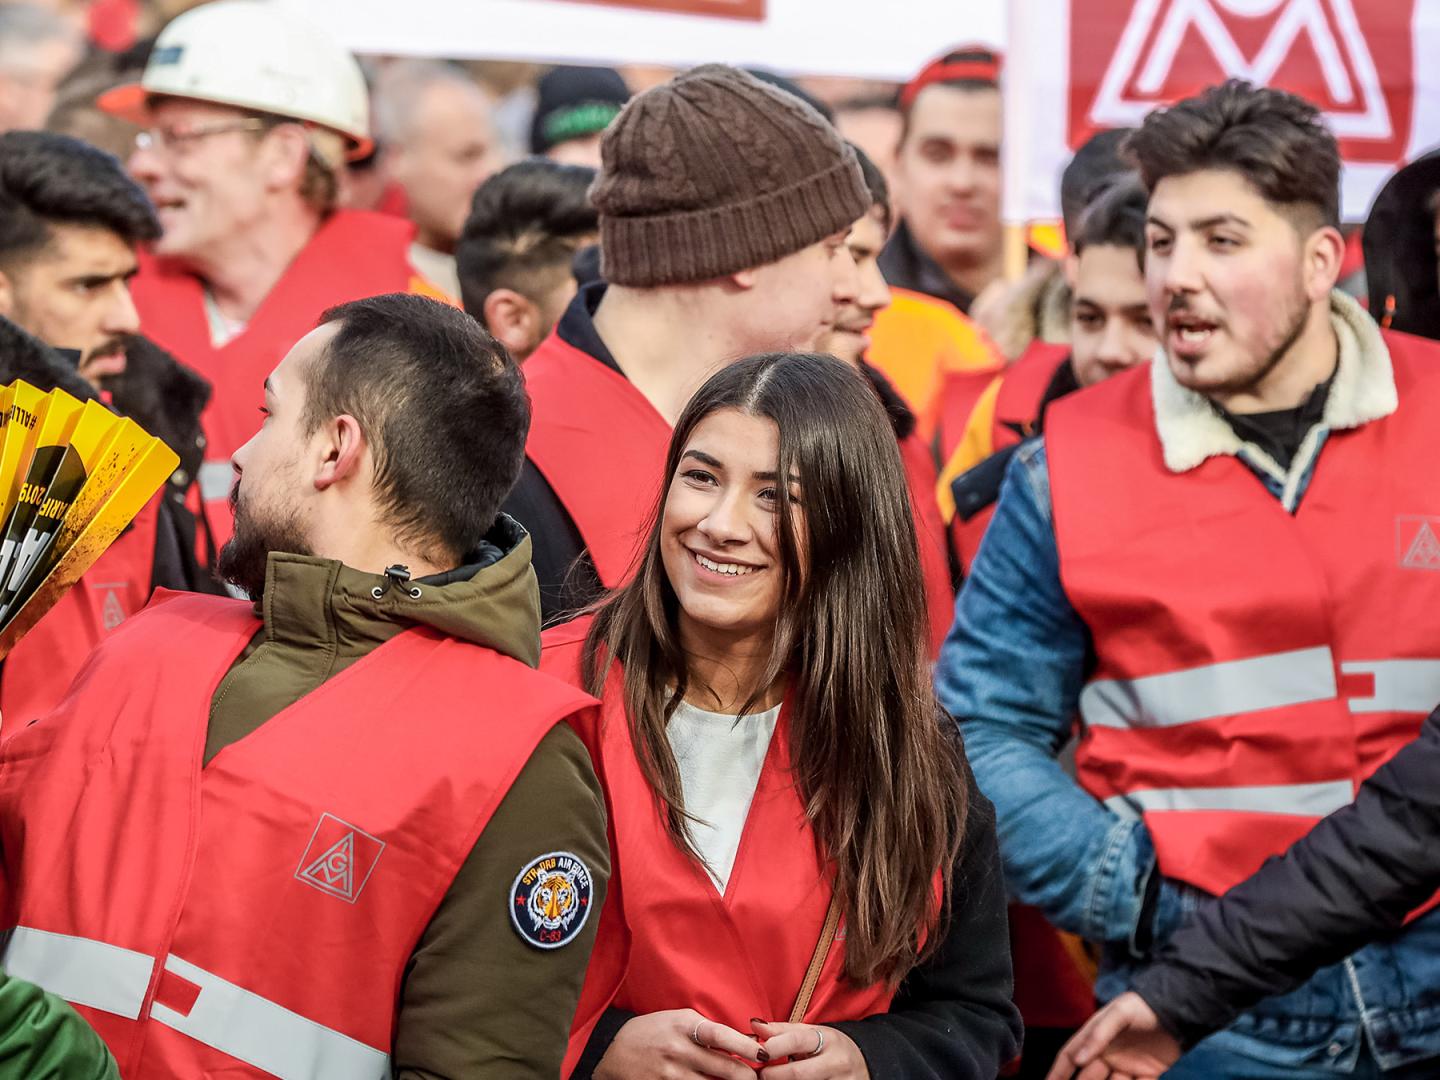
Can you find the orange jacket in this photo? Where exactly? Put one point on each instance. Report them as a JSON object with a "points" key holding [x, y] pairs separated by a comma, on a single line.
{"points": [[917, 341]]}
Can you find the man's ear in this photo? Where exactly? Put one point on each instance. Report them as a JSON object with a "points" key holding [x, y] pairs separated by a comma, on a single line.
{"points": [[287, 151], [1323, 254], [513, 320], [745, 279], [342, 452], [7, 295]]}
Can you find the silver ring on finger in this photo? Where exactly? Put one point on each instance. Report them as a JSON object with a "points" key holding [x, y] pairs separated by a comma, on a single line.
{"points": [[695, 1036], [819, 1043]]}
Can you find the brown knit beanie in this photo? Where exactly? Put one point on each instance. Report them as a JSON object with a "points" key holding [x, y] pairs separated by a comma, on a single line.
{"points": [[715, 172]]}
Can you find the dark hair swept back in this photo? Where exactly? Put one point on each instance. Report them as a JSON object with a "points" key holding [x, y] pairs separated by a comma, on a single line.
{"points": [[1276, 140], [48, 179], [1115, 217], [877, 764], [525, 225], [442, 405]]}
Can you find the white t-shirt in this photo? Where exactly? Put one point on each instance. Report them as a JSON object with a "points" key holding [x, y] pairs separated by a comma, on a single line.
{"points": [[720, 757]]}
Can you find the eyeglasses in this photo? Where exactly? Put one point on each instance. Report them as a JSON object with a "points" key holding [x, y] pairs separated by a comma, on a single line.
{"points": [[168, 139]]}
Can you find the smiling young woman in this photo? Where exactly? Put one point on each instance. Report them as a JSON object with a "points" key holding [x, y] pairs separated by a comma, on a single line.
{"points": [[777, 765]]}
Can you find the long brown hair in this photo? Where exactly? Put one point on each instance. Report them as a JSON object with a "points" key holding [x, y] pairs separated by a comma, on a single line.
{"points": [[877, 763]]}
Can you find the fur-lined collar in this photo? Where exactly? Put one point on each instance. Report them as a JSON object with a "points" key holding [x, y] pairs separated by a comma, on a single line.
{"points": [[1191, 431]]}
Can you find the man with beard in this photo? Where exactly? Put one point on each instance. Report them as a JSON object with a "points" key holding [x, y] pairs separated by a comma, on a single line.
{"points": [[1224, 562], [70, 224], [343, 831]]}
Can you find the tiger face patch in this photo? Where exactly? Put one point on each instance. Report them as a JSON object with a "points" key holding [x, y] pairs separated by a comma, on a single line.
{"points": [[550, 899]]}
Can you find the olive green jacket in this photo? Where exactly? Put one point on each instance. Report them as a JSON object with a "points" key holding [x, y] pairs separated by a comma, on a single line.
{"points": [[477, 1001]]}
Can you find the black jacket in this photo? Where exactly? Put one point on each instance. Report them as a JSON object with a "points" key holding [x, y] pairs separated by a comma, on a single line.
{"points": [[1399, 246], [1352, 879], [952, 1017]]}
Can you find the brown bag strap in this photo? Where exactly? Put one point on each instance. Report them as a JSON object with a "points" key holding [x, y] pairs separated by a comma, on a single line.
{"points": [[817, 962]]}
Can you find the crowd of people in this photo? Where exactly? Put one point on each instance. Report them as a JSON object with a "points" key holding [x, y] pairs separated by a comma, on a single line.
{"points": [[645, 596]]}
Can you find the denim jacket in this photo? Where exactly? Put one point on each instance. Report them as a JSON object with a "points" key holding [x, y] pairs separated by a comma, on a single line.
{"points": [[1012, 670]]}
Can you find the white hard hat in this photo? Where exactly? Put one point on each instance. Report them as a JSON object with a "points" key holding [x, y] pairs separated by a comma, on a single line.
{"points": [[253, 55]]}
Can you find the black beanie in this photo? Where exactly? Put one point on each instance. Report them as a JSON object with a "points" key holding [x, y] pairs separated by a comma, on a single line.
{"points": [[575, 102]]}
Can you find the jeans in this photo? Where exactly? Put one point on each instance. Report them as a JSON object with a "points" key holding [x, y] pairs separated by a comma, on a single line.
{"points": [[1207, 1062]]}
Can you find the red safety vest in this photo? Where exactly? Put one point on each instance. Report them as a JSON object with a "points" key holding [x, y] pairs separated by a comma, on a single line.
{"points": [[43, 663], [352, 255], [601, 447], [1017, 410], [679, 942], [253, 916], [1254, 666]]}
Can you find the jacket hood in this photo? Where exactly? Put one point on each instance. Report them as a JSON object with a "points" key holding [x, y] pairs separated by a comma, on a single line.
{"points": [[1399, 247], [492, 600]]}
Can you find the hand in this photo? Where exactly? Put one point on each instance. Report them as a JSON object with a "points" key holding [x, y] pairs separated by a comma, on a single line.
{"points": [[839, 1058], [1123, 1041], [659, 1046]]}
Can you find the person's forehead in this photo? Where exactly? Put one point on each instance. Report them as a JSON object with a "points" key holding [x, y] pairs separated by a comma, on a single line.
{"points": [[1197, 196], [98, 249], [285, 379], [447, 103], [1109, 272], [959, 113]]}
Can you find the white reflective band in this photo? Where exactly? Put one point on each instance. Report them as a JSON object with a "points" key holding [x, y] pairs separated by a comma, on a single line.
{"points": [[1400, 685], [1203, 693], [216, 479], [80, 970], [1301, 800], [251, 1029]]}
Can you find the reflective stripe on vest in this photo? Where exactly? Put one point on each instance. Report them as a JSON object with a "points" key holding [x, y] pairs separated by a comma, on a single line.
{"points": [[226, 1017], [259, 1032], [1261, 682], [81, 970], [1303, 800], [216, 479], [1202, 693], [1400, 685]]}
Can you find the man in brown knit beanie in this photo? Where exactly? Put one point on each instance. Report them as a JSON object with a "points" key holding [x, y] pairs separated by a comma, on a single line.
{"points": [[724, 206]]}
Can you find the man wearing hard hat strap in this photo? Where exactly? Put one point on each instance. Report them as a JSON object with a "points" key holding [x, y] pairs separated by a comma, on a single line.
{"points": [[249, 112]]}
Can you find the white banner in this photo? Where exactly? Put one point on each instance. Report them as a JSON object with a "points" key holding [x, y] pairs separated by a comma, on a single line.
{"points": [[1077, 66], [879, 39]]}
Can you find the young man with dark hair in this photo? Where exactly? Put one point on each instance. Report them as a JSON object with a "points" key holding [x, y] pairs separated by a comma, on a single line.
{"points": [[1220, 562], [71, 222], [948, 244], [708, 256], [343, 830], [517, 248]]}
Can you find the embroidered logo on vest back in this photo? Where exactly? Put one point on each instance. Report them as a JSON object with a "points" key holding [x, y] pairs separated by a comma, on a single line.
{"points": [[550, 899], [1418, 542], [339, 858]]}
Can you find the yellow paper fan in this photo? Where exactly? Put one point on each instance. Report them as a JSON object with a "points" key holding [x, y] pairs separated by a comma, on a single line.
{"points": [[72, 477]]}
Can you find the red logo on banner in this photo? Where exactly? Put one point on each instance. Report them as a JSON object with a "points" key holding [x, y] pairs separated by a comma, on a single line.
{"points": [[1352, 58]]}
